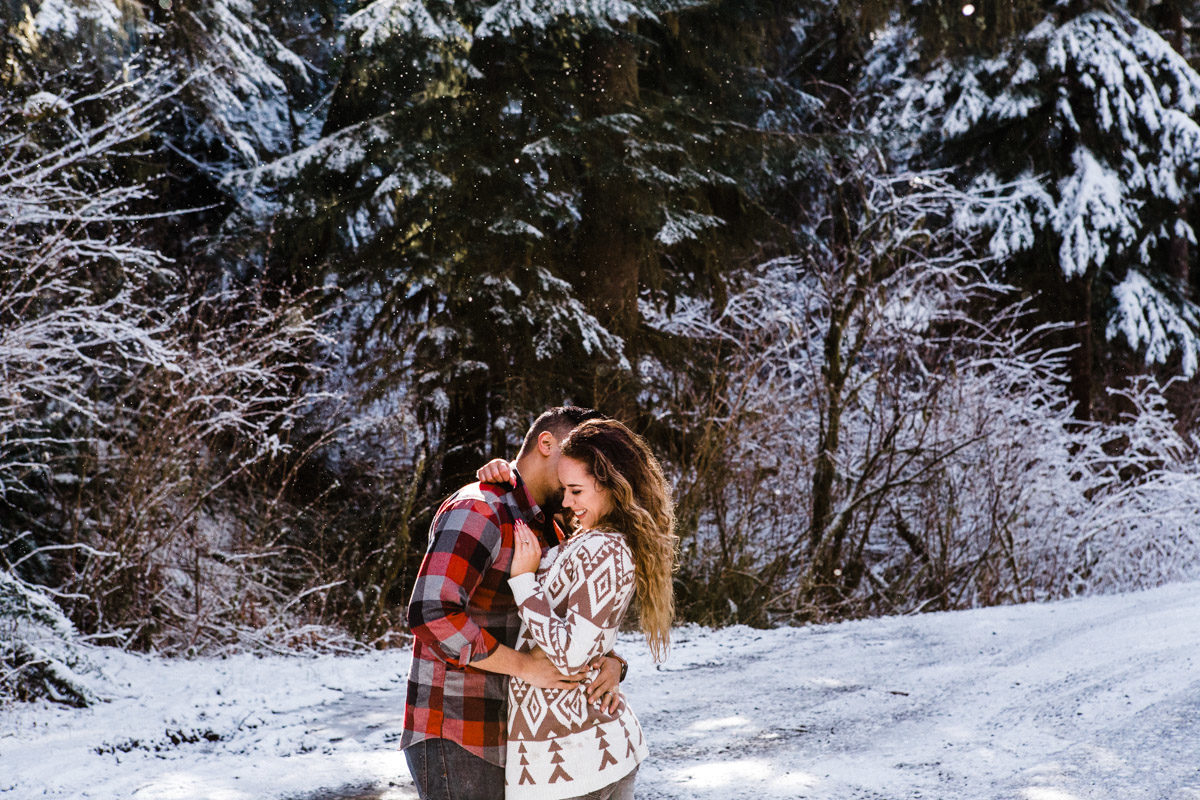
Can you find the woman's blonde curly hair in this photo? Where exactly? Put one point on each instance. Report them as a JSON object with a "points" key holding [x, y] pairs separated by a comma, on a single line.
{"points": [[642, 511]]}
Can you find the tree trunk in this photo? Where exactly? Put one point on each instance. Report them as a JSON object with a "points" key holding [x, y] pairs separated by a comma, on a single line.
{"points": [[610, 251], [1179, 255], [465, 434], [827, 446], [826, 535], [1079, 299]]}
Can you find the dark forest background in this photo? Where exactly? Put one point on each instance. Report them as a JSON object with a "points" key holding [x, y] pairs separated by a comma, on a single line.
{"points": [[902, 294]]}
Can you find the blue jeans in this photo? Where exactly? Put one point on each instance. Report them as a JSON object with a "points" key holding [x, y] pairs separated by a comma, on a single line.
{"points": [[443, 770], [621, 790]]}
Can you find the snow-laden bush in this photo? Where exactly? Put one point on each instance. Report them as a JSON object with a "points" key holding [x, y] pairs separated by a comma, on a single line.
{"points": [[187, 554], [149, 425], [40, 656], [1035, 504], [73, 316], [887, 433], [1138, 524]]}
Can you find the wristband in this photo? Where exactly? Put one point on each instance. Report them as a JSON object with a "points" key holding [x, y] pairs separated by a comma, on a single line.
{"points": [[624, 666]]}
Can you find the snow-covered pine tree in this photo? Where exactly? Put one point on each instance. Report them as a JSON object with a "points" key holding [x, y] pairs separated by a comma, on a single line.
{"points": [[1078, 140], [237, 93], [238, 76], [236, 107], [500, 181]]}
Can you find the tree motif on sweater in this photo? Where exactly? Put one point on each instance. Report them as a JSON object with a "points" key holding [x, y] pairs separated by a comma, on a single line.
{"points": [[558, 745]]}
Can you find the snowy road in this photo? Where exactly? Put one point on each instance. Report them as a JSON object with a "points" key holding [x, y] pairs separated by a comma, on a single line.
{"points": [[1098, 698], [1091, 699]]}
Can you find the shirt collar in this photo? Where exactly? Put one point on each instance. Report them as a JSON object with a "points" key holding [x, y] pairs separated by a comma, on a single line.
{"points": [[524, 499]]}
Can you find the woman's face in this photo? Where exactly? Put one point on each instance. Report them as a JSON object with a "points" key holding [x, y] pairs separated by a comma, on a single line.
{"points": [[588, 501]]}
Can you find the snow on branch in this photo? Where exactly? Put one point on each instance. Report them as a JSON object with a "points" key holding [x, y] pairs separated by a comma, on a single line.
{"points": [[504, 18], [234, 68], [681, 225], [41, 655], [67, 19], [383, 21], [1094, 216], [1154, 323]]}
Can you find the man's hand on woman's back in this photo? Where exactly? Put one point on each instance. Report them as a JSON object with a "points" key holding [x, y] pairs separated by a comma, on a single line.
{"points": [[541, 673]]}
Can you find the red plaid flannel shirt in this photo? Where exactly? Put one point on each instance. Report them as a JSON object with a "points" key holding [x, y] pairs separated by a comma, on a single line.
{"points": [[461, 610]]}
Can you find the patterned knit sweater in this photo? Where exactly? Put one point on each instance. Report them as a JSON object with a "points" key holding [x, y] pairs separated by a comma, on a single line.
{"points": [[558, 745]]}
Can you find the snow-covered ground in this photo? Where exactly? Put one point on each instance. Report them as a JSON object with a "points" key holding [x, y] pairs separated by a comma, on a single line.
{"points": [[1095, 698]]}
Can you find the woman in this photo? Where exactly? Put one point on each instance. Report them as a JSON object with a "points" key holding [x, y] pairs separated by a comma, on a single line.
{"points": [[571, 605]]}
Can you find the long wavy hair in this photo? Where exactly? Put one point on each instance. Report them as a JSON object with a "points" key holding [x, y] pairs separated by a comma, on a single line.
{"points": [[642, 511]]}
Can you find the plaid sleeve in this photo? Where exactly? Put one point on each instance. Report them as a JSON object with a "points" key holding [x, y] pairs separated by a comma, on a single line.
{"points": [[463, 543]]}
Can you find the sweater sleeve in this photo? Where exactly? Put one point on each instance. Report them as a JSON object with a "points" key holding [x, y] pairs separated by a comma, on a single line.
{"points": [[600, 577]]}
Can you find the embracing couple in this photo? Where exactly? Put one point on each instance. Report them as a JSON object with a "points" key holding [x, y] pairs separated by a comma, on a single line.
{"points": [[514, 690]]}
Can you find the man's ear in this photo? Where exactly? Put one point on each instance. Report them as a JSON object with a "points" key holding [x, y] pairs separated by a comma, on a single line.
{"points": [[546, 443]]}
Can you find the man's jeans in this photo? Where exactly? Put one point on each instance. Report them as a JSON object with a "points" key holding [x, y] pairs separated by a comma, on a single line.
{"points": [[443, 770]]}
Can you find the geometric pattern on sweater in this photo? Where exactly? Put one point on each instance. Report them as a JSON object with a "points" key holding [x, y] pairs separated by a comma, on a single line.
{"points": [[558, 745], [573, 608]]}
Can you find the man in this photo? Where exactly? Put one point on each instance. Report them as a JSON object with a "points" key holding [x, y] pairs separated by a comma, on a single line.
{"points": [[465, 623]]}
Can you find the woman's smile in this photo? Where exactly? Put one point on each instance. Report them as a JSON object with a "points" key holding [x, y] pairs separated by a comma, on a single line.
{"points": [[588, 501]]}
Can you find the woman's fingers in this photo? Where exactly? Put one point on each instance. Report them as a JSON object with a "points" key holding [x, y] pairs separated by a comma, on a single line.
{"points": [[600, 687], [527, 551], [608, 702]]}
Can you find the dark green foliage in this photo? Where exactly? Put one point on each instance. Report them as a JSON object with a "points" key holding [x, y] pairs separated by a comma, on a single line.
{"points": [[486, 209], [951, 27], [499, 207]]}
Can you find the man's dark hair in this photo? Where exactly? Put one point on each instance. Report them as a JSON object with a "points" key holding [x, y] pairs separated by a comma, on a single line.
{"points": [[559, 421]]}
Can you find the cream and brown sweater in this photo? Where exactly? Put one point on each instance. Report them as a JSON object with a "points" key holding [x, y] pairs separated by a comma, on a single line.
{"points": [[558, 745]]}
